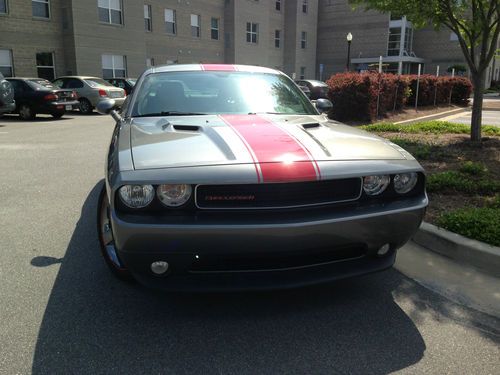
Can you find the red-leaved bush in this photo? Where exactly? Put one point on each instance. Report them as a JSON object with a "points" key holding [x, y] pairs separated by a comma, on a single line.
{"points": [[355, 95]]}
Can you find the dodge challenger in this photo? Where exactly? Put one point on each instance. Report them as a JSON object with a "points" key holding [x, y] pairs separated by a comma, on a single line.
{"points": [[227, 177]]}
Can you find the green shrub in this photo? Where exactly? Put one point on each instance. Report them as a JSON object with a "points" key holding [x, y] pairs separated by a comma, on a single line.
{"points": [[472, 168], [432, 127], [461, 182], [482, 224]]}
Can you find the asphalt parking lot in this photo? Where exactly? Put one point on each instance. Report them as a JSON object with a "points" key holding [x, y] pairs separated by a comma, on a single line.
{"points": [[62, 312]]}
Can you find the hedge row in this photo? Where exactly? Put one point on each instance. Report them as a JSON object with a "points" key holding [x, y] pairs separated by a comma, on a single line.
{"points": [[356, 96]]}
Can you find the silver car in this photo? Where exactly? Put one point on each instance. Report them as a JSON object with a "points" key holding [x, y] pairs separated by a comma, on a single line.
{"points": [[228, 177], [91, 91]]}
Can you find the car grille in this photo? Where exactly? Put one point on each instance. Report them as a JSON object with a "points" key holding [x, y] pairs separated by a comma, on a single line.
{"points": [[277, 195], [274, 261]]}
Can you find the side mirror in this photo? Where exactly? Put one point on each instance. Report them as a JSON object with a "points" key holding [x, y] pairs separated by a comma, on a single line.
{"points": [[107, 107], [323, 105]]}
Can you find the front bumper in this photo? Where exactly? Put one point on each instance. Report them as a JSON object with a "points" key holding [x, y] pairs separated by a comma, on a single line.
{"points": [[267, 252]]}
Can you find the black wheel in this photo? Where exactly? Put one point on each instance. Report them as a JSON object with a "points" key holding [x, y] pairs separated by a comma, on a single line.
{"points": [[57, 115], [85, 106], [26, 113], [106, 239]]}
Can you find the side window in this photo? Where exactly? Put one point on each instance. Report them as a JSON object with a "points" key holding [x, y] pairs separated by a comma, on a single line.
{"points": [[74, 84], [58, 83], [120, 84], [17, 86]]}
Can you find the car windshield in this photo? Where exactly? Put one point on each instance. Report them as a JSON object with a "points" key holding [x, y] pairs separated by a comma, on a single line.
{"points": [[94, 82], [40, 84], [318, 83], [219, 92]]}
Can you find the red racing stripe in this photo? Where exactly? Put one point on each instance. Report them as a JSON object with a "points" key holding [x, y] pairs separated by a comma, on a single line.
{"points": [[280, 157], [220, 67]]}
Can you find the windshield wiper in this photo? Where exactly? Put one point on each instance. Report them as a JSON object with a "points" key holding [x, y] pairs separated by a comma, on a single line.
{"points": [[171, 113]]}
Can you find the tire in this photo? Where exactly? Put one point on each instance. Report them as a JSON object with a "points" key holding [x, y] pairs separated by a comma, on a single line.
{"points": [[57, 115], [85, 107], [26, 113], [106, 240]]}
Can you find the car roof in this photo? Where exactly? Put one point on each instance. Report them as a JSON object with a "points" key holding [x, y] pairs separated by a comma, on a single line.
{"points": [[28, 78], [314, 82], [211, 67], [79, 77]]}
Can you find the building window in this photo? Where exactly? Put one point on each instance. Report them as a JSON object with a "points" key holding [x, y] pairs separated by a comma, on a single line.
{"points": [[110, 11], [6, 63], [170, 21], [150, 62], [408, 47], [148, 21], [3, 6], [302, 72], [277, 38], [278, 5], [252, 32], [304, 6], [214, 28], [303, 40], [41, 8], [394, 45], [113, 66], [195, 25], [45, 65]]}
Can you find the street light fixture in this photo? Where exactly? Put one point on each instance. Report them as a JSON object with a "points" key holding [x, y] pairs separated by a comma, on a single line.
{"points": [[349, 40]]}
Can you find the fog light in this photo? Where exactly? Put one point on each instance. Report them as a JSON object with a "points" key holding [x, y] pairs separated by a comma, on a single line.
{"points": [[159, 268], [384, 250]]}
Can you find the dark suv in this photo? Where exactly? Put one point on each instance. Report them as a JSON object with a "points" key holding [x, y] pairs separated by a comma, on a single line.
{"points": [[7, 103]]}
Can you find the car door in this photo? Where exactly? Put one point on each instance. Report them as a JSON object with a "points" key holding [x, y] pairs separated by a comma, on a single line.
{"points": [[21, 90]]}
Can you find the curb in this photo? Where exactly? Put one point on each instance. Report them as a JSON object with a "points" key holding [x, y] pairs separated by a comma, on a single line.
{"points": [[434, 116], [452, 245]]}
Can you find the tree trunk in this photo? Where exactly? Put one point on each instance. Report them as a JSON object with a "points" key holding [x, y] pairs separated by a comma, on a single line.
{"points": [[477, 106]]}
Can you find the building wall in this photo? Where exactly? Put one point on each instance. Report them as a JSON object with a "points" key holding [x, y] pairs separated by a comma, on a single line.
{"points": [[442, 51], [26, 35], [182, 47], [336, 19], [296, 21], [93, 38]]}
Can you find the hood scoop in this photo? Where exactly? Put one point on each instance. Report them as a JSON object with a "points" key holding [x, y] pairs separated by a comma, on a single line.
{"points": [[188, 128], [311, 126]]}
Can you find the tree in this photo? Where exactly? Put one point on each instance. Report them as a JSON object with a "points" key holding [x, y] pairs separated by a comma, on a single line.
{"points": [[476, 24]]}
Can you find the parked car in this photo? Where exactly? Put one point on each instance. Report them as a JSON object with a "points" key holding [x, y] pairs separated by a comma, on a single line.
{"points": [[38, 96], [305, 90], [124, 83], [90, 91], [7, 102], [318, 89], [240, 182]]}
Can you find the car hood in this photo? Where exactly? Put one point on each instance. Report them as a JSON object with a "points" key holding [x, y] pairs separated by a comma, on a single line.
{"points": [[184, 141]]}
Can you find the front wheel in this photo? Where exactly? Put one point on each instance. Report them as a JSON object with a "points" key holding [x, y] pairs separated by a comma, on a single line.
{"points": [[26, 112], [106, 239]]}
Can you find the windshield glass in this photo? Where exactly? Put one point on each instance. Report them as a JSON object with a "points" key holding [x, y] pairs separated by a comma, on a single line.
{"points": [[94, 82], [219, 93], [40, 84], [132, 81]]}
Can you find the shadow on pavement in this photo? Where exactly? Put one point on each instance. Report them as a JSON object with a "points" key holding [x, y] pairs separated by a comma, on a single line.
{"points": [[96, 324], [38, 118]]}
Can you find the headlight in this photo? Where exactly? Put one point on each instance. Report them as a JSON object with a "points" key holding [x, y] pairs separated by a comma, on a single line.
{"points": [[136, 196], [405, 182], [375, 185], [174, 195]]}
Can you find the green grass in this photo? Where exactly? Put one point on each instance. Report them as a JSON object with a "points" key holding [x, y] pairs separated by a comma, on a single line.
{"points": [[454, 181], [432, 127], [473, 168], [482, 224]]}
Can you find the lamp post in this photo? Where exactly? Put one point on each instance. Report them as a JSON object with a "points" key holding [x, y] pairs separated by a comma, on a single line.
{"points": [[349, 40]]}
